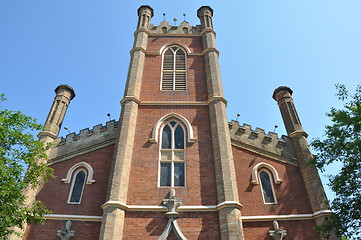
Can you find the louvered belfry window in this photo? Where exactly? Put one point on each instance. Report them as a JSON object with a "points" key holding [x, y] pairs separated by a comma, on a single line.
{"points": [[174, 69]]}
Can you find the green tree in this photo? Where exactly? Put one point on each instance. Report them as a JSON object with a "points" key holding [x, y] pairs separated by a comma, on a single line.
{"points": [[341, 145], [19, 150]]}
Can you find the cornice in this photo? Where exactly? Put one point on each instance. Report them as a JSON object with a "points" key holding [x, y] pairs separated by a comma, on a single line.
{"points": [[173, 103], [210, 50], [263, 218], [151, 208], [138, 49], [298, 132], [141, 30], [177, 103], [208, 31], [260, 218], [130, 98]]}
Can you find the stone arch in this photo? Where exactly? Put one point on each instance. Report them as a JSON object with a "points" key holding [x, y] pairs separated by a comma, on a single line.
{"points": [[165, 46], [188, 127], [90, 172], [272, 170]]}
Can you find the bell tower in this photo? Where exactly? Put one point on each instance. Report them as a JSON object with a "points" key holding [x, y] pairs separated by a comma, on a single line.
{"points": [[173, 134]]}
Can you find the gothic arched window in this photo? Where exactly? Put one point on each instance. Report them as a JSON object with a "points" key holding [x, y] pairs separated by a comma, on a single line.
{"points": [[267, 186], [172, 156], [174, 69], [77, 186]]}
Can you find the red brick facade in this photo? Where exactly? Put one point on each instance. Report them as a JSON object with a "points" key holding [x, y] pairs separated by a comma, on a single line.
{"points": [[145, 215]]}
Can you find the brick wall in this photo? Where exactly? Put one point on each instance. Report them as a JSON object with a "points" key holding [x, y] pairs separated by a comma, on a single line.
{"points": [[84, 230], [150, 225], [55, 195], [200, 180], [291, 193], [296, 230], [196, 82]]}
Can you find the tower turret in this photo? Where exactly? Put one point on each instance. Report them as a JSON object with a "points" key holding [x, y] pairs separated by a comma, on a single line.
{"points": [[145, 13], [205, 14], [64, 94], [316, 193]]}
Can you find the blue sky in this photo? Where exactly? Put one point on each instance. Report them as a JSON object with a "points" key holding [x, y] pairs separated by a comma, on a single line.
{"points": [[308, 45]]}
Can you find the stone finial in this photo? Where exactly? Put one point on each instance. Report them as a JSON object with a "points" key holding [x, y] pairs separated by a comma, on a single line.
{"points": [[146, 8], [64, 94], [172, 203], [66, 233], [281, 89], [145, 13], [277, 233], [205, 14]]}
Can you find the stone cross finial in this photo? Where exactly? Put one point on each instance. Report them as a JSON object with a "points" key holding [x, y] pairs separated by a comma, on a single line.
{"points": [[278, 233], [65, 233], [172, 203]]}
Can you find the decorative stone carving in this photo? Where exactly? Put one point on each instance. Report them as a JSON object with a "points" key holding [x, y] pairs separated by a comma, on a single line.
{"points": [[278, 233], [65, 233], [172, 204]]}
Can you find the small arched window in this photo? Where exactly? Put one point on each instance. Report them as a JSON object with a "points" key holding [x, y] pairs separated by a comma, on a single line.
{"points": [[267, 186], [77, 187], [174, 69], [172, 156]]}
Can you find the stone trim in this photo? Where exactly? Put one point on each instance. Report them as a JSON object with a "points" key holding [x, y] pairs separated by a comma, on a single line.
{"points": [[174, 43], [177, 103], [263, 152], [295, 133], [210, 49], [208, 30], [74, 217], [150, 208], [217, 98], [274, 172], [136, 49], [87, 166], [47, 133], [263, 218], [289, 217], [130, 98], [174, 34], [182, 119], [142, 30]]}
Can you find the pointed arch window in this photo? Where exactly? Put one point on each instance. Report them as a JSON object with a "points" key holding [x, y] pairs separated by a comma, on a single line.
{"points": [[174, 69], [77, 187], [172, 156], [268, 191]]}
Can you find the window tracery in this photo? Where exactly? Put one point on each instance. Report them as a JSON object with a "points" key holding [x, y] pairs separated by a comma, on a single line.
{"points": [[172, 155]]}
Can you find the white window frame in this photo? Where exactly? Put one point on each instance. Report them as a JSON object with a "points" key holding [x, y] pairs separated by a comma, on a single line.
{"points": [[270, 176], [72, 186], [174, 70], [172, 150]]}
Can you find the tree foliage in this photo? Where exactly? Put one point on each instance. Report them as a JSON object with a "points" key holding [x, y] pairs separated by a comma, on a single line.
{"points": [[18, 150], [341, 145]]}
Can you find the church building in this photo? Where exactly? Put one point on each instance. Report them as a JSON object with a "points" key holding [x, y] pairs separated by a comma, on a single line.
{"points": [[173, 166]]}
